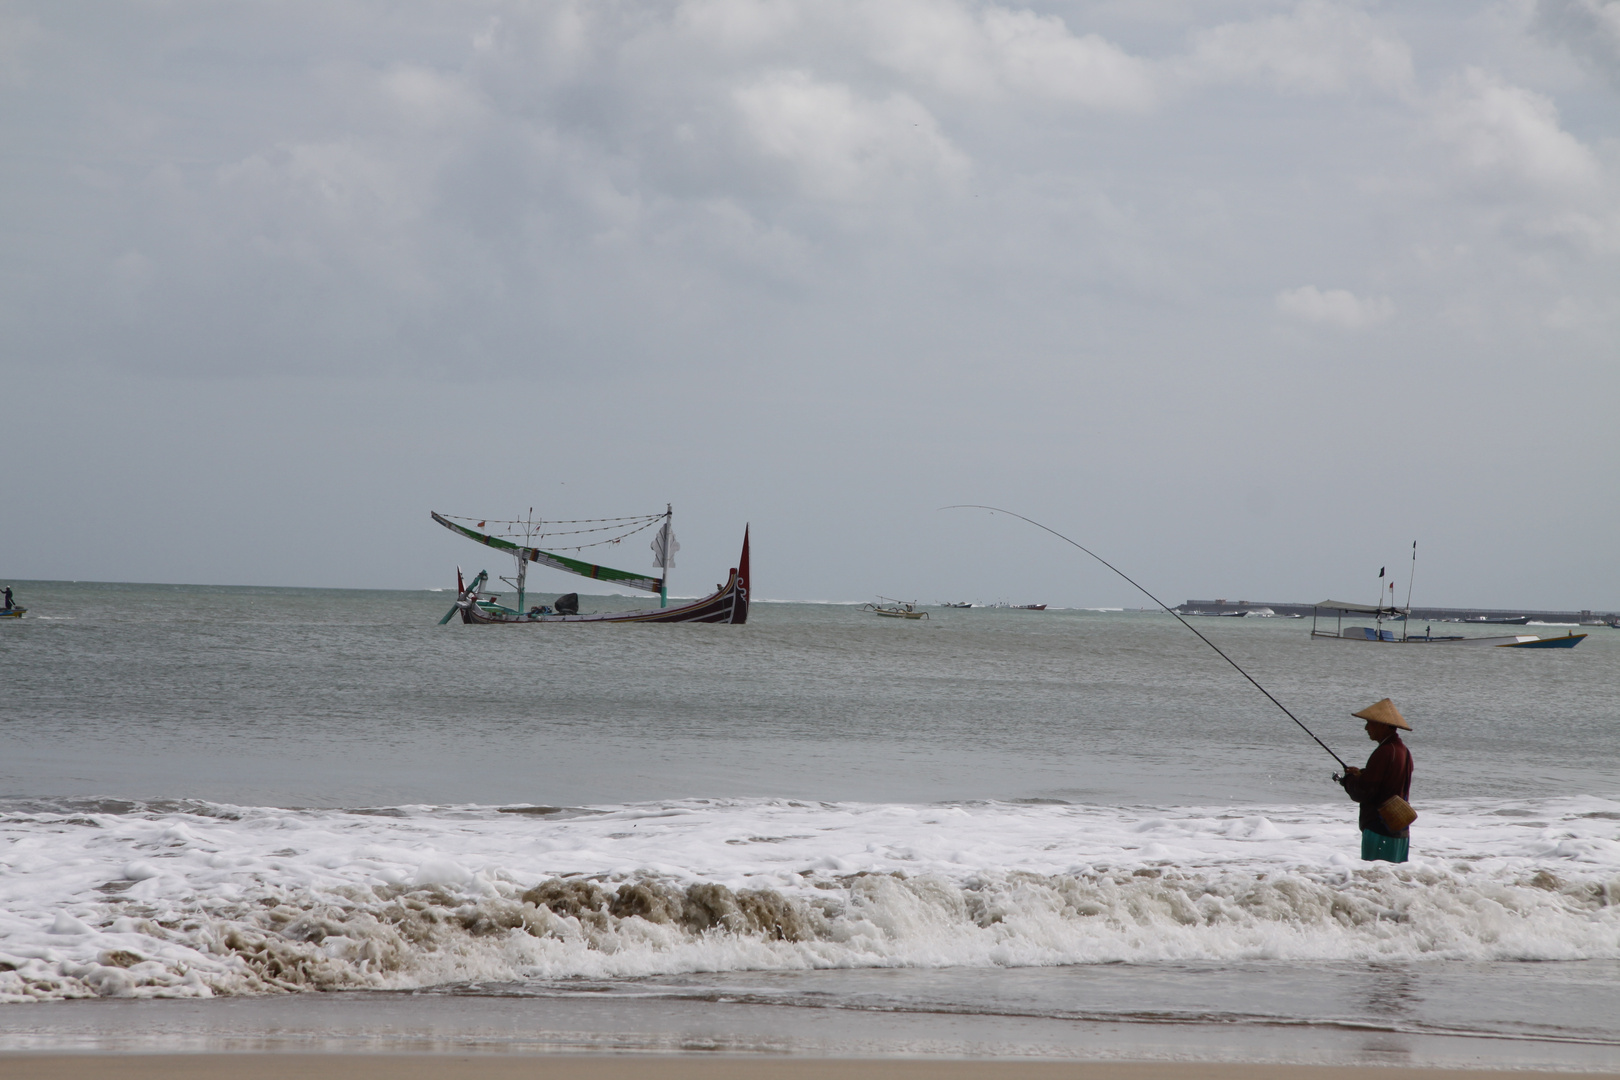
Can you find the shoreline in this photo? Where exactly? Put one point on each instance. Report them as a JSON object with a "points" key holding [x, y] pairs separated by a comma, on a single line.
{"points": [[695, 1066], [719, 1034]]}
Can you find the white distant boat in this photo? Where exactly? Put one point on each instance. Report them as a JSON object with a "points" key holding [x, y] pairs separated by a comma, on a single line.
{"points": [[1377, 634]]}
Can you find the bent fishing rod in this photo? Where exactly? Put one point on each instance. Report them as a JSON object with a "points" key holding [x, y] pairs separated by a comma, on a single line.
{"points": [[1167, 608]]}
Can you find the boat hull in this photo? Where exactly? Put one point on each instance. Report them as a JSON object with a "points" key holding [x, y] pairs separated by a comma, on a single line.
{"points": [[1513, 641], [12, 613], [729, 604], [1568, 641]]}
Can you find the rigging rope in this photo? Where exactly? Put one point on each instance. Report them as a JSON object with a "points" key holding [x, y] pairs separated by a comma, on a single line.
{"points": [[559, 521], [532, 538]]}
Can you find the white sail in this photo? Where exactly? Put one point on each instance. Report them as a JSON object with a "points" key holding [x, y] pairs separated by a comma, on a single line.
{"points": [[664, 545]]}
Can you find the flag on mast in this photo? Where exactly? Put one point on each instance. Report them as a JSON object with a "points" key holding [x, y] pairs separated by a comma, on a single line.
{"points": [[664, 545]]}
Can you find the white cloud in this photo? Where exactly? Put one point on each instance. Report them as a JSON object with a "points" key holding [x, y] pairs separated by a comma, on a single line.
{"points": [[1317, 48], [843, 146], [1505, 132], [739, 25], [1002, 52], [424, 96], [1334, 307]]}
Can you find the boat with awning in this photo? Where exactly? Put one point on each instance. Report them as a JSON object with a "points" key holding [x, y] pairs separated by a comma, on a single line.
{"points": [[1377, 633], [727, 604]]}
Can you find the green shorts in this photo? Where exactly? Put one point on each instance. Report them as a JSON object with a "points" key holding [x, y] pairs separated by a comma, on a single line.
{"points": [[1376, 846]]}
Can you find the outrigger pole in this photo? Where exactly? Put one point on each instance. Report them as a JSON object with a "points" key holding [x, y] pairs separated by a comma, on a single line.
{"points": [[1167, 608]]}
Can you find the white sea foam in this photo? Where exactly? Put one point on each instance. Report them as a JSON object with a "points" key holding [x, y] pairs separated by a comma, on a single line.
{"points": [[205, 899]]}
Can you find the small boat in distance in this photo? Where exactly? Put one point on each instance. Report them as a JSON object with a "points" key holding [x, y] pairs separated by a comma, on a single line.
{"points": [[1031, 607], [895, 609], [727, 604], [1382, 611], [1376, 632]]}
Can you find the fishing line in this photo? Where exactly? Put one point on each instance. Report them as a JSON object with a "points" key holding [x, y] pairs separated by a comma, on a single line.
{"points": [[1167, 608]]}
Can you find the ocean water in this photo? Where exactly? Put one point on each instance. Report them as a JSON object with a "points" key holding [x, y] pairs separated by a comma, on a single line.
{"points": [[1044, 833]]}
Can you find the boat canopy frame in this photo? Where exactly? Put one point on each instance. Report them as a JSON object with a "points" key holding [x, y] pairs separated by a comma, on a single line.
{"points": [[1342, 606]]}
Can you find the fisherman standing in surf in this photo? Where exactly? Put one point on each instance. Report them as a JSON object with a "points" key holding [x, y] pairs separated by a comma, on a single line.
{"points": [[1383, 787]]}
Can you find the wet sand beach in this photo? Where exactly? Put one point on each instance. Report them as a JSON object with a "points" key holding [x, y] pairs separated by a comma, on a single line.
{"points": [[475, 1067]]}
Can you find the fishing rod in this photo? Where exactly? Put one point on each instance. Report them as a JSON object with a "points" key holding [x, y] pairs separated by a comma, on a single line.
{"points": [[1167, 608]]}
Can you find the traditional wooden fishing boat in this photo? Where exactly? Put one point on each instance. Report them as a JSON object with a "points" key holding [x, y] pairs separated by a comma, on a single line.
{"points": [[895, 609], [12, 612], [727, 604], [1377, 634]]}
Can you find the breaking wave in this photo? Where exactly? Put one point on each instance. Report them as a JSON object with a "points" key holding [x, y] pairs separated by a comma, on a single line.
{"points": [[200, 899]]}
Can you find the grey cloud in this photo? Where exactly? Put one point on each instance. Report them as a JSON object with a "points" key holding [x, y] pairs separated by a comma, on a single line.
{"points": [[1588, 28], [1339, 308], [838, 254], [1315, 47], [574, 187]]}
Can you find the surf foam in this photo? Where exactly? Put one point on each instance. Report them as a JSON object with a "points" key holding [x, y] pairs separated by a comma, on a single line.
{"points": [[202, 899]]}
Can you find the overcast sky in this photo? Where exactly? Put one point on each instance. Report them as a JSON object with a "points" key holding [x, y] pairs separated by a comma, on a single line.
{"points": [[1247, 296]]}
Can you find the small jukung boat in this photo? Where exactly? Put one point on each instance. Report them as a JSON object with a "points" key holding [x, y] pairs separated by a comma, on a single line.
{"points": [[895, 609], [727, 604]]}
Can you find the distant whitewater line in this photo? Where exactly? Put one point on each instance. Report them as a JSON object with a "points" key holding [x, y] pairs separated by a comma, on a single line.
{"points": [[199, 899]]}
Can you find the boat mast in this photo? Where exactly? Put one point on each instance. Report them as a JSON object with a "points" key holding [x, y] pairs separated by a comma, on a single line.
{"points": [[523, 558], [1378, 605], [1411, 578]]}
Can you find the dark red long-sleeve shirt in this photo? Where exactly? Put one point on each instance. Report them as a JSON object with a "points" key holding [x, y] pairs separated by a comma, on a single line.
{"points": [[1388, 772]]}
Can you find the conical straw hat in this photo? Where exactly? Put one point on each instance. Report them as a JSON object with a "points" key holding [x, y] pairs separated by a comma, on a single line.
{"points": [[1384, 712]]}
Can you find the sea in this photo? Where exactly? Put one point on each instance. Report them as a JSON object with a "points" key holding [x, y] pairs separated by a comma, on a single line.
{"points": [[313, 819]]}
